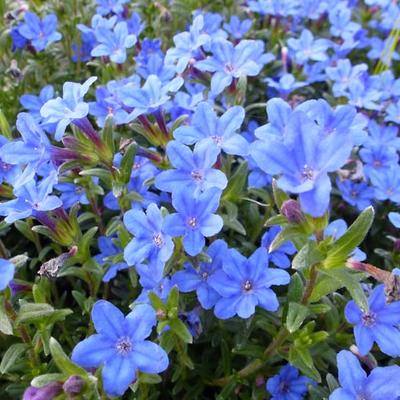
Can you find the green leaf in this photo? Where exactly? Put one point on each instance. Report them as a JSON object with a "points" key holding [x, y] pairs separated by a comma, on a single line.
{"points": [[330, 281], [107, 134], [288, 233], [279, 195], [296, 288], [301, 358], [43, 380], [308, 256], [127, 163], [276, 220], [295, 316], [180, 329], [64, 364], [149, 378], [33, 312], [345, 245], [236, 184], [5, 323], [173, 298], [11, 356], [102, 173]]}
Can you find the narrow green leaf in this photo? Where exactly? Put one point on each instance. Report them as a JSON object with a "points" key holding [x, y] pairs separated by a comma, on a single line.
{"points": [[43, 380], [236, 184], [181, 330], [308, 256], [127, 163], [296, 288], [295, 316], [5, 323], [279, 195], [11, 356]]}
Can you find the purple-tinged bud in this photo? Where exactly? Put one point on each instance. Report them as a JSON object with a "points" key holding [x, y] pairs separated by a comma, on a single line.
{"points": [[260, 381], [73, 385], [47, 392], [396, 246], [291, 209]]}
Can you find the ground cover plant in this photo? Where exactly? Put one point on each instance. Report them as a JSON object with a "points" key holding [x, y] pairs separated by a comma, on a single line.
{"points": [[199, 199]]}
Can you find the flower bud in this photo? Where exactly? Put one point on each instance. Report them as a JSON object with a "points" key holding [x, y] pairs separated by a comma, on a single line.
{"points": [[47, 392], [291, 209], [73, 385]]}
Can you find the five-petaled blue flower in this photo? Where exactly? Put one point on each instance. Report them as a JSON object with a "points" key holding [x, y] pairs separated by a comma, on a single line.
{"points": [[288, 384], [150, 243], [113, 43], [120, 346], [377, 324], [381, 384], [220, 132], [195, 218], [7, 270], [193, 169], [70, 107], [39, 32], [245, 283]]}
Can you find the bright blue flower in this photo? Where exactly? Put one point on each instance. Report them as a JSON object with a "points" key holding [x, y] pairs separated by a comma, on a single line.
{"points": [[150, 97], [285, 85], [152, 282], [362, 95], [394, 218], [303, 158], [33, 150], [237, 28], [306, 48], [34, 103], [229, 62], [31, 198], [386, 184], [190, 278], [113, 43], [288, 384], [357, 194], [194, 170], [386, 84], [393, 113], [135, 25], [378, 158], [188, 45], [8, 173], [377, 324], [380, 384], [18, 41], [343, 74], [66, 109], [341, 23], [150, 240], [71, 194], [281, 8], [110, 6], [155, 65], [279, 256], [39, 32], [120, 346], [148, 48], [382, 135], [210, 130], [7, 270], [245, 283], [195, 218]]}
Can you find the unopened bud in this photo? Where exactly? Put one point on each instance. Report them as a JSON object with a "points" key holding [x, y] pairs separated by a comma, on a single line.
{"points": [[47, 392], [73, 385], [291, 209]]}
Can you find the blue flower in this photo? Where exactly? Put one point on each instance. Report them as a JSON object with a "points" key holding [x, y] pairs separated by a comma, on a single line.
{"points": [[66, 109], [8, 173], [193, 169], [34, 103], [150, 243], [7, 270], [72, 194], [150, 97], [237, 28], [307, 48], [245, 283], [386, 184], [288, 384], [357, 194], [279, 256], [378, 158], [190, 278], [229, 62], [211, 130], [39, 32], [382, 135], [380, 384], [195, 218], [31, 198], [394, 218], [120, 346], [285, 85], [110, 6], [113, 43], [377, 324], [303, 158], [393, 113]]}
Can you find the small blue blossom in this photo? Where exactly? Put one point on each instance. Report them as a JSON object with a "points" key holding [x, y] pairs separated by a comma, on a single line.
{"points": [[194, 170], [380, 384], [357, 194], [7, 270], [245, 283], [210, 130], [34, 103], [195, 218], [113, 43], [237, 28], [120, 346], [190, 278], [288, 384], [229, 62], [66, 109], [39, 32], [151, 242], [279, 256], [110, 6], [394, 218], [386, 184], [377, 324], [378, 158], [285, 85], [306, 48]]}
